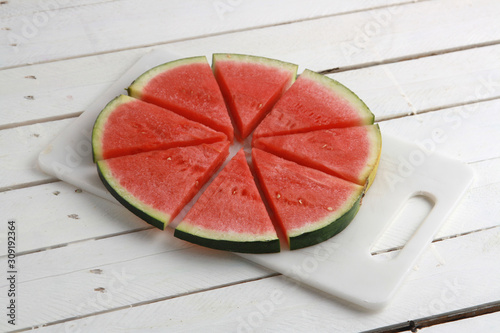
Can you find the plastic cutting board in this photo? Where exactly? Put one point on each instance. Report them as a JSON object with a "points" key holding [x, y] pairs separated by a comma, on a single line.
{"points": [[342, 266]]}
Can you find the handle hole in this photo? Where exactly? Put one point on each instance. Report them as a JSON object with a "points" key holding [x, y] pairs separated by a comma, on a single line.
{"points": [[403, 226]]}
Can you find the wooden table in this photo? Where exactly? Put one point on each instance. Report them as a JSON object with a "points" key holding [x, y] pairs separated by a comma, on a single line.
{"points": [[86, 265]]}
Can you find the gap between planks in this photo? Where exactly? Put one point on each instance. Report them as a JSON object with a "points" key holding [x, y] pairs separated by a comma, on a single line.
{"points": [[439, 108], [258, 27], [409, 57], [156, 300], [417, 324]]}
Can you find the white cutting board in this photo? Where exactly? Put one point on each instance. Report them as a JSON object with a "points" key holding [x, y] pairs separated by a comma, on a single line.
{"points": [[342, 266]]}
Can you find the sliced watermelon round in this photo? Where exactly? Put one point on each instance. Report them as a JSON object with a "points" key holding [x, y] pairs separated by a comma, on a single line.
{"points": [[156, 185], [319, 154], [128, 126], [230, 214], [312, 103], [188, 87], [351, 153], [310, 206], [251, 86]]}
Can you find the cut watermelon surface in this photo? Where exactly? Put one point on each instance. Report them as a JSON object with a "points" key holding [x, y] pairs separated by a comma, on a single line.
{"points": [[351, 153], [156, 185], [311, 206], [314, 102], [251, 86], [128, 126], [188, 87], [230, 215], [315, 152]]}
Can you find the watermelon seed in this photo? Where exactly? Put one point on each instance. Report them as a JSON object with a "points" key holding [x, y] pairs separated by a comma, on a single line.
{"points": [[330, 209], [300, 201], [278, 195], [169, 159], [260, 105]]}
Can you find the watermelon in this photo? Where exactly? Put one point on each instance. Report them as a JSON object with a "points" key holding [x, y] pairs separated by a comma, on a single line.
{"points": [[351, 153], [251, 85], [128, 126], [230, 215], [188, 87], [315, 152], [156, 185], [312, 103], [310, 206]]}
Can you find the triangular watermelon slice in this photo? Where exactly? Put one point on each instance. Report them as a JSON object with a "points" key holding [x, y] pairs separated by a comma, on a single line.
{"points": [[230, 214], [310, 206], [128, 126], [156, 185], [351, 153], [188, 87], [251, 86], [314, 102]]}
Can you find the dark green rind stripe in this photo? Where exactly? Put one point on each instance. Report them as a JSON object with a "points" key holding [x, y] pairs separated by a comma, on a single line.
{"points": [[320, 235], [243, 247], [143, 215]]}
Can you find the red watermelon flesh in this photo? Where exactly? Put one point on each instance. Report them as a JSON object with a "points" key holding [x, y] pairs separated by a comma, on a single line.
{"points": [[350, 153], [310, 205], [156, 185], [251, 86], [230, 214], [128, 126], [314, 102], [188, 87]]}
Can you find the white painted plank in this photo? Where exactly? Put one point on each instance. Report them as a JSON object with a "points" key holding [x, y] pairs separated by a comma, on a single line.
{"points": [[29, 9], [429, 83], [20, 149], [119, 271], [115, 25], [468, 133], [453, 274], [485, 323], [57, 213]]}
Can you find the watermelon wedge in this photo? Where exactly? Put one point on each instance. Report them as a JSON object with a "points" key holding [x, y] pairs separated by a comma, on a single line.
{"points": [[156, 185], [188, 87], [230, 214], [312, 103], [351, 153], [310, 206], [251, 86], [128, 126]]}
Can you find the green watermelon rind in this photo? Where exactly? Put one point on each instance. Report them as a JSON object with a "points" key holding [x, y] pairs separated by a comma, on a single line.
{"points": [[98, 129], [143, 211], [136, 87], [288, 66], [343, 91], [264, 246], [334, 226]]}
